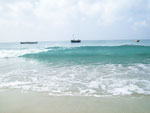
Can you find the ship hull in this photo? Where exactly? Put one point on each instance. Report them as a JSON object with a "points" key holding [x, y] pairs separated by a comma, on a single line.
{"points": [[75, 41], [28, 42]]}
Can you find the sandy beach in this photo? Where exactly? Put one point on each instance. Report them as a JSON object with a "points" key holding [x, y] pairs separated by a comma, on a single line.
{"points": [[13, 101]]}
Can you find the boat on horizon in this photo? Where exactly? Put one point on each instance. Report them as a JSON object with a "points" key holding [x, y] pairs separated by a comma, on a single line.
{"points": [[28, 42], [137, 40], [75, 41]]}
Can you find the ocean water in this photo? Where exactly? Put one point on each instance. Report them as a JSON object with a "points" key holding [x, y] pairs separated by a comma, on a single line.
{"points": [[90, 68]]}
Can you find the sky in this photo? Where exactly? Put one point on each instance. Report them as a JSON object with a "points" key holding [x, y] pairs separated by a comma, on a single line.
{"points": [[57, 20]]}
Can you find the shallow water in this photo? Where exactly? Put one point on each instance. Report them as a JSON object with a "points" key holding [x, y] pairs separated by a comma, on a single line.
{"points": [[91, 68]]}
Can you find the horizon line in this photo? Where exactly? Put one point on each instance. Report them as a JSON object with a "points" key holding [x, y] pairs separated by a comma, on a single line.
{"points": [[69, 40]]}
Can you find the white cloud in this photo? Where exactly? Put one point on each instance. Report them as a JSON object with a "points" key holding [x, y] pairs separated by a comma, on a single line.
{"points": [[110, 11], [140, 24], [61, 12], [48, 17], [148, 3], [89, 9], [15, 9], [56, 12]]}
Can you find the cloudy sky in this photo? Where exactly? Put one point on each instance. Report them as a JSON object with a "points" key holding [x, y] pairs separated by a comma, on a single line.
{"points": [[46, 20]]}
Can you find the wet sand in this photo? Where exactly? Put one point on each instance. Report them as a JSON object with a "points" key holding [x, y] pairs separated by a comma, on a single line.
{"points": [[13, 101]]}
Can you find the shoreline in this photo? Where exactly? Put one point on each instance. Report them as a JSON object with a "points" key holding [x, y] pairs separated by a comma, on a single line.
{"points": [[13, 101]]}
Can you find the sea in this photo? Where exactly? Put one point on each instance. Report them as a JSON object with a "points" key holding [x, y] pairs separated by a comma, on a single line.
{"points": [[90, 68]]}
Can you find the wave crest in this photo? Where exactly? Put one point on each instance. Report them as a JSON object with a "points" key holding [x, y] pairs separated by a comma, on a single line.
{"points": [[17, 53]]}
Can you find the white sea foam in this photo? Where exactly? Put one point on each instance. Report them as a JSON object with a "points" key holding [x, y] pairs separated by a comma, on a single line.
{"points": [[78, 80], [16, 53]]}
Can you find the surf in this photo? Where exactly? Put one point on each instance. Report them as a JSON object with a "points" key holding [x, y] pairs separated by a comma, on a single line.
{"points": [[102, 54]]}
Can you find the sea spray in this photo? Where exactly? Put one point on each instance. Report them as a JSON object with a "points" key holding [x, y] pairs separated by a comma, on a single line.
{"points": [[86, 69]]}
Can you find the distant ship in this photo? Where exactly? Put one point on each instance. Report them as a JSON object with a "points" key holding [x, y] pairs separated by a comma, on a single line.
{"points": [[137, 40], [74, 40], [28, 42]]}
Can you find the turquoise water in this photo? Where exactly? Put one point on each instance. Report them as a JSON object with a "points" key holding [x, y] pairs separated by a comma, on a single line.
{"points": [[125, 54], [91, 68]]}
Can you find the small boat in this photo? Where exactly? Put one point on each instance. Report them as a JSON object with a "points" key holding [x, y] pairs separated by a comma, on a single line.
{"points": [[137, 40], [28, 42], [75, 41]]}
